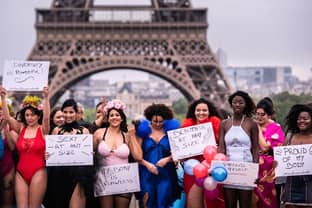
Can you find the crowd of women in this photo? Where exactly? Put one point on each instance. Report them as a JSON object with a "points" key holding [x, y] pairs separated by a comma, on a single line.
{"points": [[249, 134]]}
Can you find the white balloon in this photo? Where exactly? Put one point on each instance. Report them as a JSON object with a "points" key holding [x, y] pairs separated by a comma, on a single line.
{"points": [[210, 184]]}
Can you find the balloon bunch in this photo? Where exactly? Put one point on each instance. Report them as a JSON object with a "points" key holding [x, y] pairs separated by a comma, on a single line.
{"points": [[205, 175]]}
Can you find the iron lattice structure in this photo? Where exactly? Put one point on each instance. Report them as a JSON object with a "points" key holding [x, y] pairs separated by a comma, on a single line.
{"points": [[167, 38]]}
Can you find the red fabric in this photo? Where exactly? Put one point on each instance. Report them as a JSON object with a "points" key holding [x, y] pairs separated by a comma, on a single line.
{"points": [[188, 180], [31, 155]]}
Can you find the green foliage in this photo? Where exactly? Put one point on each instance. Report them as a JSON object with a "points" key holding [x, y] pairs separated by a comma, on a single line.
{"points": [[89, 115], [284, 101], [180, 108]]}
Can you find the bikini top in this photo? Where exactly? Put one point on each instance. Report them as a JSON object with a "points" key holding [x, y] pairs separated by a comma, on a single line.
{"points": [[109, 156]]}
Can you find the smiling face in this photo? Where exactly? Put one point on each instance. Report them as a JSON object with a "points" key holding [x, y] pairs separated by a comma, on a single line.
{"points": [[201, 112], [31, 118], [238, 104], [69, 114], [58, 118], [304, 121], [262, 117], [114, 118]]}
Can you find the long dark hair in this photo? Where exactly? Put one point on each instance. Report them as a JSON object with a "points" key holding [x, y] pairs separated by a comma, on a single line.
{"points": [[123, 124], [33, 110]]}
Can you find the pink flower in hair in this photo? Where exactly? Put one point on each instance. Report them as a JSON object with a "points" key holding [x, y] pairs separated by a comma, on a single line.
{"points": [[118, 104], [40, 107]]}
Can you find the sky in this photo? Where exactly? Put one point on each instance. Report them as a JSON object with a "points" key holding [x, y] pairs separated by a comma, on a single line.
{"points": [[251, 32]]}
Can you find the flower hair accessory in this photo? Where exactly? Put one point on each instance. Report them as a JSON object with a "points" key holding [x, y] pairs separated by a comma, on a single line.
{"points": [[114, 104], [33, 101]]}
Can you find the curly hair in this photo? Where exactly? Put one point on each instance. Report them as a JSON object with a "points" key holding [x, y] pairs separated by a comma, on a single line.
{"points": [[34, 110], [267, 106], [123, 124], [292, 116], [213, 111], [250, 105], [158, 110]]}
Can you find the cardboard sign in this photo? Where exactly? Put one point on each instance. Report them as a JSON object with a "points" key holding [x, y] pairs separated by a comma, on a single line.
{"points": [[239, 173], [25, 75], [117, 179], [69, 150], [293, 160], [190, 141]]}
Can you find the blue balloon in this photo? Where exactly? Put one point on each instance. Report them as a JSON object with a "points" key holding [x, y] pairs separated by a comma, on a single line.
{"points": [[189, 165], [219, 173], [1, 146]]}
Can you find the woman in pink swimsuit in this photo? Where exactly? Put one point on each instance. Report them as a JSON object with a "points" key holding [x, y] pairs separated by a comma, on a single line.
{"points": [[113, 146], [31, 176]]}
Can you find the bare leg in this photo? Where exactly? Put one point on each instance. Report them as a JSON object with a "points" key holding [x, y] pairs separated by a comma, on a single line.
{"points": [[78, 198], [106, 201], [21, 191], [8, 190], [195, 197], [230, 198], [244, 198], [122, 201], [37, 188], [145, 198]]}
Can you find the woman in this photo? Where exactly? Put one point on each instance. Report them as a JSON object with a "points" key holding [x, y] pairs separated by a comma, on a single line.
{"points": [[270, 135], [201, 111], [31, 176], [70, 185], [239, 141], [100, 116], [113, 146], [158, 177], [7, 170], [56, 118], [298, 189]]}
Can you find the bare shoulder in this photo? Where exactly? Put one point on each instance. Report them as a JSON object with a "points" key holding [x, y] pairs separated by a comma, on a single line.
{"points": [[99, 132]]}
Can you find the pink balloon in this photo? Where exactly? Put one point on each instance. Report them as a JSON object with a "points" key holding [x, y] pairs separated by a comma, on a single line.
{"points": [[200, 171], [199, 181], [212, 194], [210, 184], [209, 152], [220, 157]]}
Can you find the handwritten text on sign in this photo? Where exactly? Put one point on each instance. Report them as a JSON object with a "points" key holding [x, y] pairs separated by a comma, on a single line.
{"points": [[69, 150], [239, 173], [293, 160], [117, 179], [25, 75], [190, 141]]}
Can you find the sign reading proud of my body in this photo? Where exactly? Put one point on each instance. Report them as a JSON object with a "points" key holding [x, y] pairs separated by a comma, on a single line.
{"points": [[293, 160], [69, 150], [190, 141], [25, 75], [117, 179], [239, 173]]}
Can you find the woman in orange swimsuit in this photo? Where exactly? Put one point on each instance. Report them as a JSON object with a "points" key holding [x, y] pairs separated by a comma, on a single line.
{"points": [[31, 176]]}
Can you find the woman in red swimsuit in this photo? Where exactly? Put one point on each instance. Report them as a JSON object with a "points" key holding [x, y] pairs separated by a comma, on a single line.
{"points": [[201, 111], [31, 176]]}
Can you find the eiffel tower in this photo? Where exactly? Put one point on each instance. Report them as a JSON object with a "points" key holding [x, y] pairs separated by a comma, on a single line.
{"points": [[167, 38]]}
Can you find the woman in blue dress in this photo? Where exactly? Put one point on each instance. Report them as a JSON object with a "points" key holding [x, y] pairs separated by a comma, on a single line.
{"points": [[158, 177]]}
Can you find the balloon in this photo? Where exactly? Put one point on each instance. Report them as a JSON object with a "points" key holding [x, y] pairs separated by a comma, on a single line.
{"points": [[204, 162], [210, 183], [219, 173], [212, 194], [199, 181], [189, 165], [200, 171], [220, 156], [209, 152]]}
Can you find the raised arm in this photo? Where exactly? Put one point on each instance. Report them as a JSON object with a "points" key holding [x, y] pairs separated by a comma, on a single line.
{"points": [[46, 111], [134, 145], [14, 124]]}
